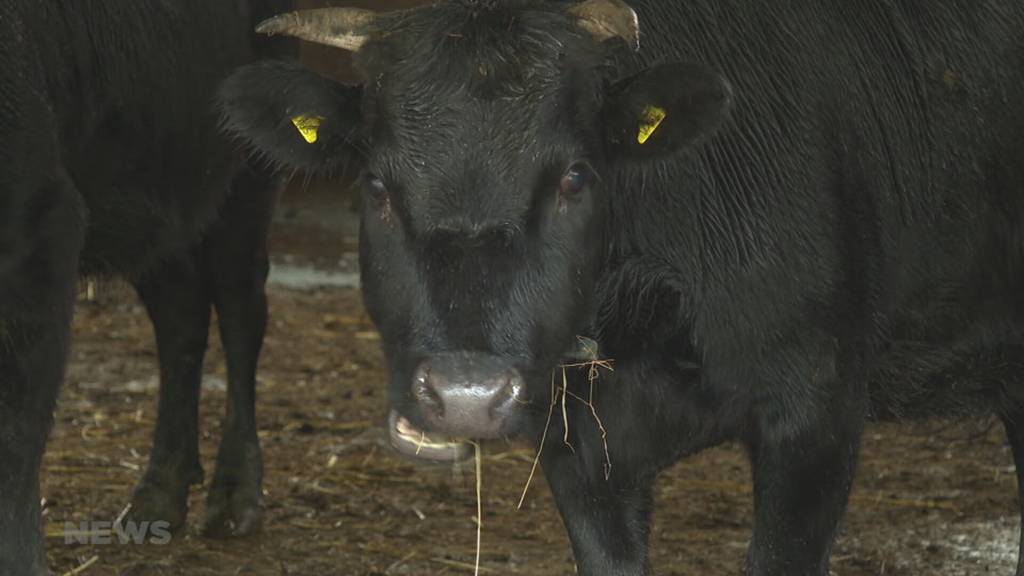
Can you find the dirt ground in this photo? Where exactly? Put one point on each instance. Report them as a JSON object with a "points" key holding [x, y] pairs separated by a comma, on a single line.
{"points": [[932, 498]]}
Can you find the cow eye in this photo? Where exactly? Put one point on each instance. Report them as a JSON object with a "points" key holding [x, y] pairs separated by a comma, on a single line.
{"points": [[376, 187], [574, 180]]}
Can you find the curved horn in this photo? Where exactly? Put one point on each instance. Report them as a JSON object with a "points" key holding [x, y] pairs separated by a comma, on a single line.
{"points": [[609, 19], [347, 28]]}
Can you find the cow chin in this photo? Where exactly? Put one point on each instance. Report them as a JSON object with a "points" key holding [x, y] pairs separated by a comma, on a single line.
{"points": [[410, 441]]}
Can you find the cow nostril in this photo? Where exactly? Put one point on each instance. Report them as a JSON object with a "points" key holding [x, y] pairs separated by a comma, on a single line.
{"points": [[424, 392], [509, 393]]}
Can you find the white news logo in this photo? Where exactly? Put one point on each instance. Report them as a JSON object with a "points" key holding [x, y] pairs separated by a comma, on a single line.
{"points": [[127, 532]]}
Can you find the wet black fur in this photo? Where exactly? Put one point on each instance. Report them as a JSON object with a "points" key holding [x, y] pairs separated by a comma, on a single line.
{"points": [[112, 163], [847, 243]]}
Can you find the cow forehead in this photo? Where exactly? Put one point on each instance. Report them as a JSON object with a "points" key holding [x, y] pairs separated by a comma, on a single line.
{"points": [[463, 126], [443, 129], [475, 160]]}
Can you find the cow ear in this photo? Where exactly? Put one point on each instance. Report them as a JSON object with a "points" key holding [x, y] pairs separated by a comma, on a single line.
{"points": [[664, 109], [292, 116]]}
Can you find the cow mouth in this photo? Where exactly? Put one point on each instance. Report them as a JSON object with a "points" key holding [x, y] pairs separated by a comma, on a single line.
{"points": [[415, 443]]}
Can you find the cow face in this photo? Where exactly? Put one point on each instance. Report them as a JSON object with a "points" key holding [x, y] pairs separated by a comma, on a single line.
{"points": [[490, 133]]}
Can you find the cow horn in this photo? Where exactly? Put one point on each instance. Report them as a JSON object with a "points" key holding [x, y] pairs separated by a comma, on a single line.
{"points": [[347, 28], [608, 19]]}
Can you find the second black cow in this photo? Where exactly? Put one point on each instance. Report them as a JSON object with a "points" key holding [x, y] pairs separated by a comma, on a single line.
{"points": [[779, 219], [112, 162]]}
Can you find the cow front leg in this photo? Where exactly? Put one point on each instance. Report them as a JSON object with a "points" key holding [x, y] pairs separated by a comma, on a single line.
{"points": [[41, 234], [606, 511], [33, 347], [179, 308], [650, 412], [1015, 435], [237, 265], [803, 460], [608, 523]]}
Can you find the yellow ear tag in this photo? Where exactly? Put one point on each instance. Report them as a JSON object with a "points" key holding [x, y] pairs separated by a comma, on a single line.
{"points": [[652, 117], [308, 127]]}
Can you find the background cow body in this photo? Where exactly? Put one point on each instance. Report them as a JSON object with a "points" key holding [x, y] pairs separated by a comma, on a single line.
{"points": [[111, 163], [848, 243]]}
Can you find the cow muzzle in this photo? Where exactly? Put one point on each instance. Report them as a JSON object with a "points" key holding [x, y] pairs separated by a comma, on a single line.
{"points": [[458, 396], [467, 395]]}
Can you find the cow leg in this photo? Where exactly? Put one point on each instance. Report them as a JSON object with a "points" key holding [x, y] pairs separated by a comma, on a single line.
{"points": [[608, 521], [178, 304], [41, 234], [803, 459], [1015, 434], [608, 517], [237, 264]]}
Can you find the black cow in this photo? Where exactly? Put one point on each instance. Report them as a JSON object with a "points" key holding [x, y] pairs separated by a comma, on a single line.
{"points": [[112, 162], [779, 219]]}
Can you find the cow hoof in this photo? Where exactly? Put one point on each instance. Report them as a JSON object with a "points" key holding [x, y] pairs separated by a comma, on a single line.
{"points": [[154, 501], [234, 506], [231, 512]]}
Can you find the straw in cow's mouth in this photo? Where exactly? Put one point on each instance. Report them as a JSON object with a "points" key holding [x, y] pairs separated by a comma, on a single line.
{"points": [[415, 443]]}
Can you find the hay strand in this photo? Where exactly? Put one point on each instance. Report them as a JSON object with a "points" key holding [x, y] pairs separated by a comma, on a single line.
{"points": [[82, 567], [565, 411], [479, 505], [543, 439], [593, 372]]}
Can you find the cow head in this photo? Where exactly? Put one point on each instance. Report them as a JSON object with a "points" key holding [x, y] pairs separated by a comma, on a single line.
{"points": [[491, 132]]}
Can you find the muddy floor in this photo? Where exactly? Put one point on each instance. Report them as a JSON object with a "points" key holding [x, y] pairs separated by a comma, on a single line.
{"points": [[932, 498]]}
